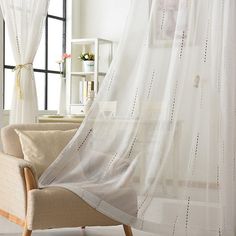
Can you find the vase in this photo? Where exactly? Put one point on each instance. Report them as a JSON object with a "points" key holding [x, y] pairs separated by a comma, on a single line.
{"points": [[62, 99], [88, 66]]}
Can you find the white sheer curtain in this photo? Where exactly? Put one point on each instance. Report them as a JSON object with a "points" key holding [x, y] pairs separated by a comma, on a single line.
{"points": [[157, 150], [24, 20]]}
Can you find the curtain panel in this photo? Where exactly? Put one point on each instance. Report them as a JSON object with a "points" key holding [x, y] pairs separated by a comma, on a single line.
{"points": [[164, 159], [24, 20]]}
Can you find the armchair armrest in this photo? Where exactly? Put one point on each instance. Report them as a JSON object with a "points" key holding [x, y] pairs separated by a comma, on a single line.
{"points": [[17, 176]]}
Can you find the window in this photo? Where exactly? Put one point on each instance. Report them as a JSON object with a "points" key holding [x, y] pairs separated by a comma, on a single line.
{"points": [[51, 48]]}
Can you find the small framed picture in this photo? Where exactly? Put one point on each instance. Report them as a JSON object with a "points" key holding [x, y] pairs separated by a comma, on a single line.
{"points": [[164, 26]]}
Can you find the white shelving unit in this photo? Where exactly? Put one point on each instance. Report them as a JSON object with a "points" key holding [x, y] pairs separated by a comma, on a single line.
{"points": [[83, 79], [84, 74]]}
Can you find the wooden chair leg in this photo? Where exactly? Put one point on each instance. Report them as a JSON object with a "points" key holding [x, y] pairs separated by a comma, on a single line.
{"points": [[31, 183], [128, 230], [27, 232]]}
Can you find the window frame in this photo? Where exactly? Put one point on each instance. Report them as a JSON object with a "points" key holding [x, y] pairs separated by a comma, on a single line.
{"points": [[46, 71]]}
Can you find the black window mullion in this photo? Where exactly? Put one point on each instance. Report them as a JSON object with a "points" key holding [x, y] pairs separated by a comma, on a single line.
{"points": [[57, 17], [64, 26], [46, 64], [3, 82], [36, 70]]}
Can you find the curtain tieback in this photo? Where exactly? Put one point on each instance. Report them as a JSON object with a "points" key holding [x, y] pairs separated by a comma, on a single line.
{"points": [[18, 69]]}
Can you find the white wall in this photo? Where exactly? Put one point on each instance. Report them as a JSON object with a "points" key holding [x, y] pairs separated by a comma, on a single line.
{"points": [[96, 19], [99, 19], [75, 11], [1, 68], [103, 18]]}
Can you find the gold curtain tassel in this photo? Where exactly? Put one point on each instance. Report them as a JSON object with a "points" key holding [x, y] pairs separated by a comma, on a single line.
{"points": [[18, 69]]}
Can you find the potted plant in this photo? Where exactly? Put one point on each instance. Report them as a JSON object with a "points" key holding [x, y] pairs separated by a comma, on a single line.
{"points": [[88, 61]]}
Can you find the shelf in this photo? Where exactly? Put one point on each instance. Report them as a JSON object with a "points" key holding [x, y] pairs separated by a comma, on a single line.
{"points": [[80, 82], [64, 119], [90, 41], [77, 104], [84, 74]]}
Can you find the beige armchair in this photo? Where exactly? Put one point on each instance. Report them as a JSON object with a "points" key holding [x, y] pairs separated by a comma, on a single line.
{"points": [[22, 202]]}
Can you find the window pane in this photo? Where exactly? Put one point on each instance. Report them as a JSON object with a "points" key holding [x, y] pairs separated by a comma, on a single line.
{"points": [[55, 42], [9, 84], [40, 86], [9, 58], [39, 61], [56, 8], [54, 83]]}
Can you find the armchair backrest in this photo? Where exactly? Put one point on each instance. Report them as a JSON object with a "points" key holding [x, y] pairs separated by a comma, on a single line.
{"points": [[10, 140]]}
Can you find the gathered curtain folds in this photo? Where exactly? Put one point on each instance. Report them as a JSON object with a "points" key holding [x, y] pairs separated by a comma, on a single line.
{"points": [[157, 149], [24, 20]]}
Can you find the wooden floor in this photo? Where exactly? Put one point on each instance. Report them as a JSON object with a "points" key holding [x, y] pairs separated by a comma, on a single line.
{"points": [[9, 229], [90, 231]]}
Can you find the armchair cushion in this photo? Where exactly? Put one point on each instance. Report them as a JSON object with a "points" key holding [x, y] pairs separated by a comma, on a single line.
{"points": [[56, 207], [10, 140], [41, 148]]}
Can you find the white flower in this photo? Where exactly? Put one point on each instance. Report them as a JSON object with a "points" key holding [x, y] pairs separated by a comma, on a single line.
{"points": [[86, 57]]}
